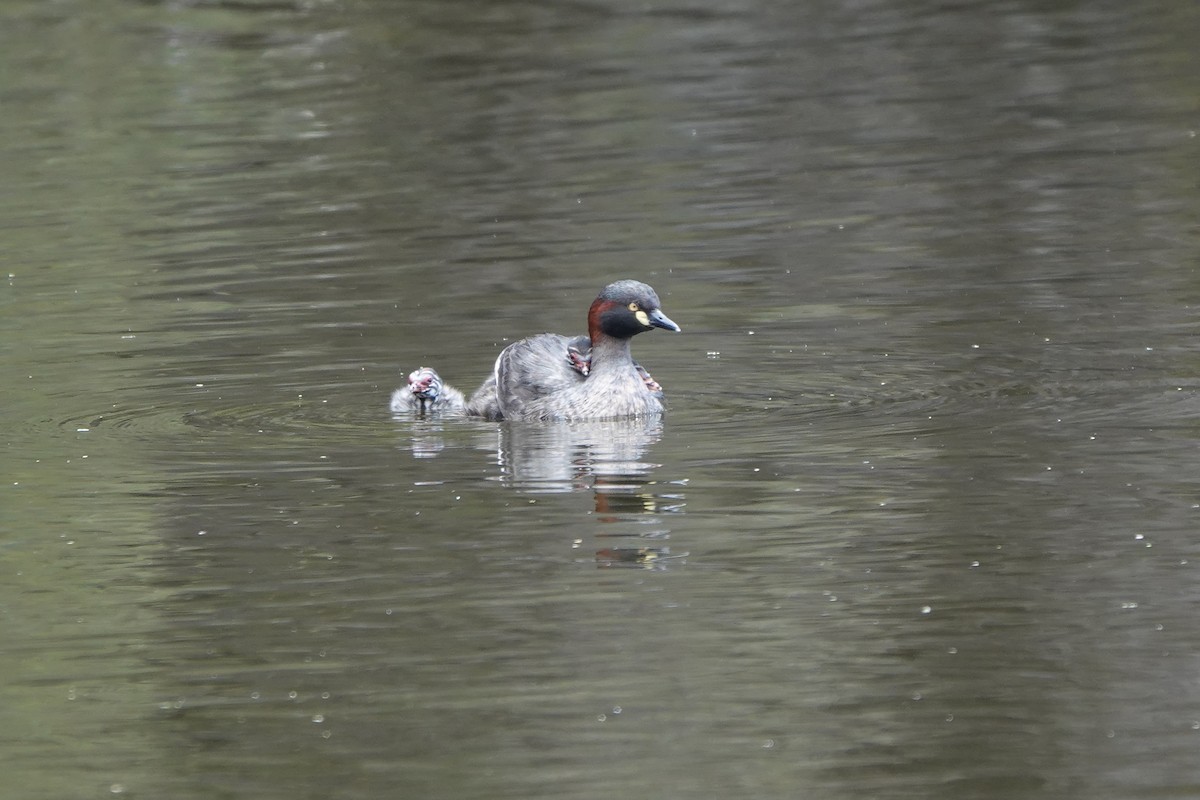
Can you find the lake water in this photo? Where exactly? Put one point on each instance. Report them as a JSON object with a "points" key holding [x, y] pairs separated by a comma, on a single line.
{"points": [[921, 521]]}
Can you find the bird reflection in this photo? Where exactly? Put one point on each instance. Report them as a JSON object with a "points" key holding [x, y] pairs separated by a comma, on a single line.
{"points": [[561, 457], [607, 458], [427, 438]]}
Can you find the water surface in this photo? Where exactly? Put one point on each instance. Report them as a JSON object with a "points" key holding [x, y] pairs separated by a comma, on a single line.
{"points": [[920, 519]]}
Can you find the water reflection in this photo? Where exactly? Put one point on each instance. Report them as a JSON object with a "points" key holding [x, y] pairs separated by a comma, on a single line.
{"points": [[427, 437], [607, 458], [567, 456], [554, 457]]}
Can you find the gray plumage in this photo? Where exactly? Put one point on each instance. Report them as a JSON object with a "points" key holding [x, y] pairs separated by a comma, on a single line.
{"points": [[551, 377], [426, 393], [531, 385], [534, 380], [529, 371]]}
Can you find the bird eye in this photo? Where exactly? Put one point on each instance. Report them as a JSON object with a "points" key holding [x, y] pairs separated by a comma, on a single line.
{"points": [[633, 306]]}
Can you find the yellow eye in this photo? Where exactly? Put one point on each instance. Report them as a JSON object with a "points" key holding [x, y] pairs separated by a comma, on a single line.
{"points": [[633, 306]]}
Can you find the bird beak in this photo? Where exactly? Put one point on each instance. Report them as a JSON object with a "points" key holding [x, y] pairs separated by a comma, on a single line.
{"points": [[660, 320]]}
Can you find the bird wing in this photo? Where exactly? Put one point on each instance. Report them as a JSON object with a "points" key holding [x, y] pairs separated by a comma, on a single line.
{"points": [[530, 370]]}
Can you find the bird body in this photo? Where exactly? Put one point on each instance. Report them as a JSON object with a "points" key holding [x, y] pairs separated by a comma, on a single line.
{"points": [[553, 377]]}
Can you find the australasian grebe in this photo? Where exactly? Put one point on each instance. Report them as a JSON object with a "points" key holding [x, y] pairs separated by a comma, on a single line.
{"points": [[426, 393], [553, 377]]}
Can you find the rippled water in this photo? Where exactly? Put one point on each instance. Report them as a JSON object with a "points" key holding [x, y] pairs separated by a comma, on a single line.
{"points": [[920, 520]]}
